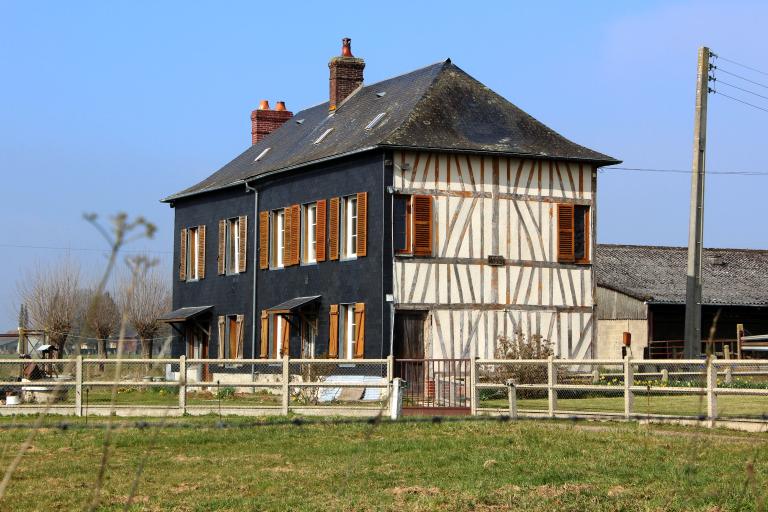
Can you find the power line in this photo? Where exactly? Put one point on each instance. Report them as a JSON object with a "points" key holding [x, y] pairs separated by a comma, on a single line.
{"points": [[741, 101], [740, 64], [721, 70], [718, 82], [683, 171], [21, 246]]}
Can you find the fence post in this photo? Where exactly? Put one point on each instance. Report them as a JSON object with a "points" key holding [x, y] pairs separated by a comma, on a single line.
{"points": [[183, 385], [396, 399], [711, 396], [512, 394], [629, 381], [473, 386], [551, 382], [390, 368], [79, 386], [286, 388]]}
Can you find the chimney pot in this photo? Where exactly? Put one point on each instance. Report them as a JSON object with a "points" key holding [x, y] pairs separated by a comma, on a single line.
{"points": [[264, 105], [280, 106], [346, 47]]}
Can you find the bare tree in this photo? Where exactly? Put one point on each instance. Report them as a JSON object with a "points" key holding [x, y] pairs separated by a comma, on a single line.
{"points": [[144, 297], [53, 299], [102, 318]]}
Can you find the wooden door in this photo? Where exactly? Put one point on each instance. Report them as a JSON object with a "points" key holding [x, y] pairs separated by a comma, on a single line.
{"points": [[409, 334]]}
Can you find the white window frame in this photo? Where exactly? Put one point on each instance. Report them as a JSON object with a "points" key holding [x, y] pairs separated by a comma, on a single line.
{"points": [[232, 254], [278, 224], [277, 333], [193, 253], [349, 227], [346, 331], [309, 238]]}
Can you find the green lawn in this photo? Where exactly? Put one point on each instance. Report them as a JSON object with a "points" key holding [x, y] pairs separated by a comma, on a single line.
{"points": [[477, 465]]}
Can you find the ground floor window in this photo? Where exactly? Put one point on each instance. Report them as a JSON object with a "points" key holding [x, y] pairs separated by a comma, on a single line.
{"points": [[231, 334]]}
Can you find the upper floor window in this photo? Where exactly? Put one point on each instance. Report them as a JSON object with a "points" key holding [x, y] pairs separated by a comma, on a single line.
{"points": [[573, 234], [233, 246], [309, 233], [402, 224], [278, 238], [413, 224], [192, 254], [349, 227]]}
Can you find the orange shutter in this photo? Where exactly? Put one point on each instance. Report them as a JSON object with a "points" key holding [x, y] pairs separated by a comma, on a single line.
{"points": [[287, 236], [320, 220], [295, 234], [264, 349], [422, 225], [264, 240], [362, 224], [183, 256], [222, 258], [359, 330], [333, 229], [243, 246], [565, 233], [286, 341], [333, 332], [222, 338], [201, 252], [240, 336]]}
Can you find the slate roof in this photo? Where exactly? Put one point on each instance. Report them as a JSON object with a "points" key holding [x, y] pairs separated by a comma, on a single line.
{"points": [[658, 274], [438, 107]]}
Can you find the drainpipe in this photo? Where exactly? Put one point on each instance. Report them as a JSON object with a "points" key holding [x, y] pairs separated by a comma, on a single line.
{"points": [[255, 267]]}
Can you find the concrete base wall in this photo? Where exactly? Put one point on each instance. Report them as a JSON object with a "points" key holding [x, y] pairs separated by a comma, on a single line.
{"points": [[609, 337]]}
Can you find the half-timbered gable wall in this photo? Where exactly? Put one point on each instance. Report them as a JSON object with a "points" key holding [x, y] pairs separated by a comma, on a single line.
{"points": [[506, 208]]}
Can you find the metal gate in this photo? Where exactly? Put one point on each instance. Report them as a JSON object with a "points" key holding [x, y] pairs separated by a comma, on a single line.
{"points": [[435, 386]]}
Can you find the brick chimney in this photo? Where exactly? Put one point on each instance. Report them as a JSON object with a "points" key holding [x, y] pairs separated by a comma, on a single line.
{"points": [[346, 73], [265, 120]]}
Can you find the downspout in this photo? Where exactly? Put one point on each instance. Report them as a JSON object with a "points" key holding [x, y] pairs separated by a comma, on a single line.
{"points": [[388, 189], [255, 267]]}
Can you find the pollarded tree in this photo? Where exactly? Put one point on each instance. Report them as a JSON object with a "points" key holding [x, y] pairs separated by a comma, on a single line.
{"points": [[53, 299], [102, 318]]}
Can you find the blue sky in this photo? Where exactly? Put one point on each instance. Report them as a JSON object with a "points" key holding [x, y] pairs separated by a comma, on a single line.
{"points": [[109, 106]]}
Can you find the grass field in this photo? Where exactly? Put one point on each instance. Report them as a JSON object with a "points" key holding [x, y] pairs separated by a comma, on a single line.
{"points": [[478, 465]]}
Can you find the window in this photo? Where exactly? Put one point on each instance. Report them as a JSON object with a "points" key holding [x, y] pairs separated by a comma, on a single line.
{"points": [[231, 336], [346, 331], [308, 335], [278, 238], [573, 233], [322, 136], [309, 233], [233, 246], [281, 335], [402, 224], [193, 253], [349, 227]]}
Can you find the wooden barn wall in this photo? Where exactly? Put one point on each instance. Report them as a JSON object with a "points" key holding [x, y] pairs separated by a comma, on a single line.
{"points": [[613, 305], [496, 206]]}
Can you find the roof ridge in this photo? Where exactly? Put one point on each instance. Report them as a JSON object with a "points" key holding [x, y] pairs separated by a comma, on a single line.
{"points": [[680, 247]]}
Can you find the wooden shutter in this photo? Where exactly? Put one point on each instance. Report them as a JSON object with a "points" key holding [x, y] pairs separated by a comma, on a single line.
{"points": [[243, 247], [295, 234], [222, 336], [333, 229], [263, 240], [565, 233], [183, 256], [287, 236], [286, 341], [222, 258], [200, 252], [264, 349], [320, 220], [359, 330], [240, 335], [422, 225], [362, 224], [333, 332]]}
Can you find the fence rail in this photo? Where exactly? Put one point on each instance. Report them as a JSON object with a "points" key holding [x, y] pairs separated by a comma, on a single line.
{"points": [[708, 389]]}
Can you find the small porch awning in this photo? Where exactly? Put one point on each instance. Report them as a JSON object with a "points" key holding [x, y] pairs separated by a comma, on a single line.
{"points": [[293, 304], [184, 314]]}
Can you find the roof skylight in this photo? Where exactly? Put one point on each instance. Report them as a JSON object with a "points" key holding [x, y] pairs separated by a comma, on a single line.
{"points": [[262, 154], [323, 135], [381, 94], [375, 121]]}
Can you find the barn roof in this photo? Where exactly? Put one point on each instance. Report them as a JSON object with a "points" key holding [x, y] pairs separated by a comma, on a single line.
{"points": [[658, 274], [439, 107]]}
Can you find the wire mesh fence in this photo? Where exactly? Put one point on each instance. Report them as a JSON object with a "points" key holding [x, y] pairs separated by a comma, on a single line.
{"points": [[352, 383]]}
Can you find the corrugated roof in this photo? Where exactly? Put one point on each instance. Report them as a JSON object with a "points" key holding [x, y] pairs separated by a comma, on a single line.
{"points": [[658, 274], [438, 107]]}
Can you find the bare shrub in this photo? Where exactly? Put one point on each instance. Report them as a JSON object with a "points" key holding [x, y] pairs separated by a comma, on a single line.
{"points": [[53, 299]]}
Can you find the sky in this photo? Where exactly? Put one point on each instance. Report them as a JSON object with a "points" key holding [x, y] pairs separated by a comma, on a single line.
{"points": [[110, 106]]}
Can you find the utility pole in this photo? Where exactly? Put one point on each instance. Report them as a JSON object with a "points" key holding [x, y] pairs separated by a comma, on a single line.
{"points": [[696, 221]]}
